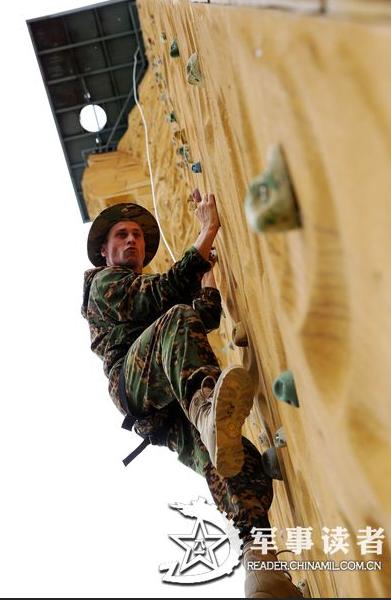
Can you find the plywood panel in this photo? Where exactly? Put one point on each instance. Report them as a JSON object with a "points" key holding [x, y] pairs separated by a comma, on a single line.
{"points": [[361, 9]]}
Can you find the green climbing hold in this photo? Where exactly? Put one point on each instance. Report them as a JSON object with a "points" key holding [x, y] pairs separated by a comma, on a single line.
{"points": [[284, 388], [193, 72], [171, 118], [174, 50], [270, 203], [270, 463], [185, 152]]}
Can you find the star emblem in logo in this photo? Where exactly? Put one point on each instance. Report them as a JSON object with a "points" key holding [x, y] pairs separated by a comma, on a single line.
{"points": [[199, 546], [202, 560]]}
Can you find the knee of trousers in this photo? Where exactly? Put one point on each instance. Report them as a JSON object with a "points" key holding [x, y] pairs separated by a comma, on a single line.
{"points": [[182, 311]]}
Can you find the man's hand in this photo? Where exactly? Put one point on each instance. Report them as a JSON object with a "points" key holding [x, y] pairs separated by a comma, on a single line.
{"points": [[206, 213]]}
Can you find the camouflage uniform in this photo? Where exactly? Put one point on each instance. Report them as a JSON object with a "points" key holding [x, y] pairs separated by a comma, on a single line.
{"points": [[155, 327]]}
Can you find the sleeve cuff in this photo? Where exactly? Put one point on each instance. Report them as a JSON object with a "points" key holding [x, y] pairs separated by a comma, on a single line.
{"points": [[210, 293], [198, 260]]}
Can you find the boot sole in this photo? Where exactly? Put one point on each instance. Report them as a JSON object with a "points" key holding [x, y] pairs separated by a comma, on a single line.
{"points": [[232, 401]]}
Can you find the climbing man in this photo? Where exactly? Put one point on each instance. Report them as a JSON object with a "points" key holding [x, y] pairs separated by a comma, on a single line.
{"points": [[151, 332]]}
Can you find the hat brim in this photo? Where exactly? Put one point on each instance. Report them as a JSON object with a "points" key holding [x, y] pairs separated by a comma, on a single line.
{"points": [[114, 214]]}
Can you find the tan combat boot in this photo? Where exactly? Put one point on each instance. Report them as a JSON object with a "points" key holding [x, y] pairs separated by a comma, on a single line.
{"points": [[218, 411], [266, 583]]}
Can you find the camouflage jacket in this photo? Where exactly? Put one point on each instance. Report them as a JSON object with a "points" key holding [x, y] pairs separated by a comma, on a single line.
{"points": [[119, 304]]}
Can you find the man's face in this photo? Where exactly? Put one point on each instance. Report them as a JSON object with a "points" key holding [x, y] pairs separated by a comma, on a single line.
{"points": [[125, 245]]}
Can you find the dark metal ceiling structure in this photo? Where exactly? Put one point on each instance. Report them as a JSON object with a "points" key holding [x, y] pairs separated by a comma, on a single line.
{"points": [[86, 57]]}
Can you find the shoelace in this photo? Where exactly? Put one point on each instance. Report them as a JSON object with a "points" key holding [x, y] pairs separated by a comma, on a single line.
{"points": [[210, 389]]}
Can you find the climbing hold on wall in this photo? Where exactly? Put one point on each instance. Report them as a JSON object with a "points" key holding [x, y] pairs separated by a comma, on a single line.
{"points": [[270, 464], [163, 37], [270, 203], [193, 73], [213, 257], [304, 588], [279, 438], [196, 167], [174, 50], [239, 335], [228, 347], [180, 136], [284, 388], [185, 152], [171, 118], [263, 437]]}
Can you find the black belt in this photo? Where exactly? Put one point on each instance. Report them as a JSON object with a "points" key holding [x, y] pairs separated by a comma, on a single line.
{"points": [[129, 420]]}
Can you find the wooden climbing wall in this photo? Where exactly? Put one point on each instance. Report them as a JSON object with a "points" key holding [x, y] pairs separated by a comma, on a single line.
{"points": [[316, 300]]}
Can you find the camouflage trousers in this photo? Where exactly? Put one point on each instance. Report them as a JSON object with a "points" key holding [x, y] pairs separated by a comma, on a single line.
{"points": [[163, 368]]}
